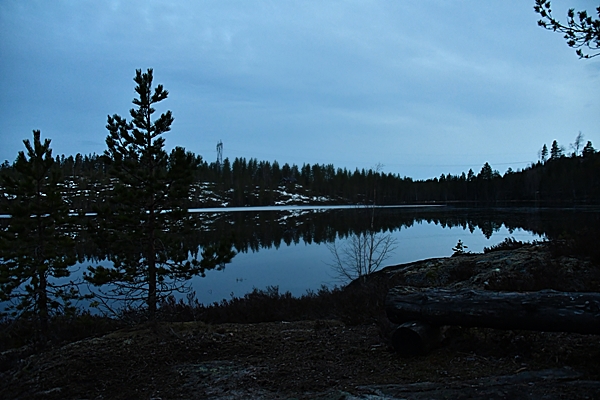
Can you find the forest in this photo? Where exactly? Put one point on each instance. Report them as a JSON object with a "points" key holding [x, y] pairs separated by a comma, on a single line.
{"points": [[555, 179]]}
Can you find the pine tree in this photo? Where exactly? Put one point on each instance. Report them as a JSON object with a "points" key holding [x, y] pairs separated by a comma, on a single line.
{"points": [[588, 150], [143, 223], [580, 32], [470, 175], [486, 172], [36, 248], [555, 151], [544, 153]]}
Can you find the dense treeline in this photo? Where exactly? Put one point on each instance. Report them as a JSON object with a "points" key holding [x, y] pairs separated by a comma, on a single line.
{"points": [[560, 179]]}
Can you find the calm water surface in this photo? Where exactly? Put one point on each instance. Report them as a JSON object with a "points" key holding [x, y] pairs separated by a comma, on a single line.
{"points": [[287, 246], [300, 267]]}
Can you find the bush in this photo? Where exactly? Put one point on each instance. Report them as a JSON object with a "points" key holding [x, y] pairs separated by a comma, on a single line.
{"points": [[359, 302], [508, 244], [21, 332]]}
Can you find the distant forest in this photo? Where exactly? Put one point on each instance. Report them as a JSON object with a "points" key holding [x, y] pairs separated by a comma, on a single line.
{"points": [[556, 179]]}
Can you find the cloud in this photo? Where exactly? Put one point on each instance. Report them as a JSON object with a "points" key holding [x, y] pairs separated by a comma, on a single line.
{"points": [[428, 84]]}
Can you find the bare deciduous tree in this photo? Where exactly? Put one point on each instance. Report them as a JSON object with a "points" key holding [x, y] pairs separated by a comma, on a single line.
{"points": [[362, 254], [577, 145]]}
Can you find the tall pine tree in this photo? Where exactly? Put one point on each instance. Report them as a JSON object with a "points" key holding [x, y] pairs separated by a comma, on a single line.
{"points": [[142, 226], [555, 151], [36, 249]]}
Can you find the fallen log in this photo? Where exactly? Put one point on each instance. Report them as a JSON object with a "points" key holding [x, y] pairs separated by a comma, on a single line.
{"points": [[546, 310], [415, 338]]}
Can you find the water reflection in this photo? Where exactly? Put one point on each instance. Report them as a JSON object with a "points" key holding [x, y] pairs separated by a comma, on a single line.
{"points": [[304, 266], [287, 248]]}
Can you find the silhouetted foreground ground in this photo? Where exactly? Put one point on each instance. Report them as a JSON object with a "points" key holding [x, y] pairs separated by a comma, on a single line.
{"points": [[329, 358]]}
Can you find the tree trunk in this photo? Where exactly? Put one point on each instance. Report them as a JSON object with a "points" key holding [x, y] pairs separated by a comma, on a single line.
{"points": [[152, 278], [546, 310], [43, 304], [42, 298]]}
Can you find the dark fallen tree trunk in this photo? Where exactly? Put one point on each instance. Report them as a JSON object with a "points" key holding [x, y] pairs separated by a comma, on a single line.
{"points": [[546, 310], [415, 338]]}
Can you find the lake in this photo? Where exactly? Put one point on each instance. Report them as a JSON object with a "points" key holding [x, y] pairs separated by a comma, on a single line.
{"points": [[300, 267], [289, 247]]}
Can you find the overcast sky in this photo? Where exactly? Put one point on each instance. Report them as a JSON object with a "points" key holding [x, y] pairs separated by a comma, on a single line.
{"points": [[422, 87]]}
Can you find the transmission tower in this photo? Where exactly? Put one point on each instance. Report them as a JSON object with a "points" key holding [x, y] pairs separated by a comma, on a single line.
{"points": [[219, 154]]}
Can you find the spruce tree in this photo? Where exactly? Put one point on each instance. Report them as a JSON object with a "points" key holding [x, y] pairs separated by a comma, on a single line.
{"points": [[36, 248], [544, 153], [486, 172], [142, 226], [588, 150], [555, 151]]}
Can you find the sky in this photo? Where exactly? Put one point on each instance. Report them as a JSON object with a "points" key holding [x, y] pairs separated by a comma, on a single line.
{"points": [[420, 87]]}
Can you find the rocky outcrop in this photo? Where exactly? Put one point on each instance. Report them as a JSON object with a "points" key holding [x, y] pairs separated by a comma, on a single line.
{"points": [[529, 268]]}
